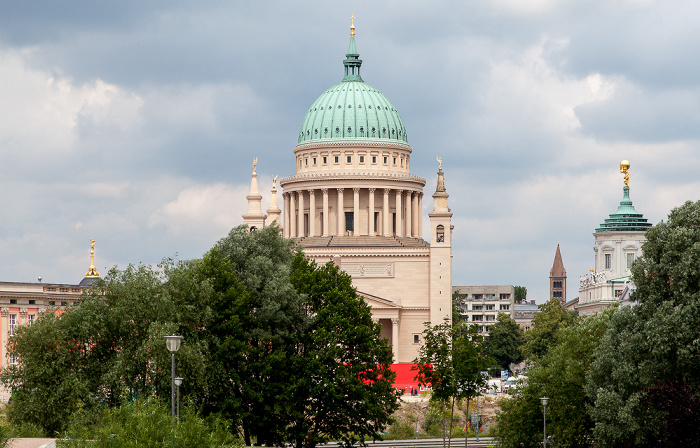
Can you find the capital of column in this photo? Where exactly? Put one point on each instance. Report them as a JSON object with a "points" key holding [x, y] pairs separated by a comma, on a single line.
{"points": [[395, 321], [324, 191], [311, 192], [387, 190], [4, 311], [356, 189], [340, 190], [23, 311], [372, 190]]}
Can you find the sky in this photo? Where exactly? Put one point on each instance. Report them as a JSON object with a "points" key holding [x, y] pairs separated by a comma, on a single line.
{"points": [[135, 123]]}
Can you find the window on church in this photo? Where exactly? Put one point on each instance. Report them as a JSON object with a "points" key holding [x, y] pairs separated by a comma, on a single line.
{"points": [[362, 159], [608, 261], [314, 160], [394, 161], [374, 159], [440, 234], [349, 159], [630, 260], [386, 160], [336, 159], [325, 160], [30, 318], [349, 221], [416, 339]]}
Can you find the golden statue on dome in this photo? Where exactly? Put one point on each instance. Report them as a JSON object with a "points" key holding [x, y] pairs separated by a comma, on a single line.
{"points": [[624, 168], [92, 271]]}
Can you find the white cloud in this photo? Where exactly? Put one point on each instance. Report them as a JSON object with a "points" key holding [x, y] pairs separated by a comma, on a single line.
{"points": [[202, 208]]}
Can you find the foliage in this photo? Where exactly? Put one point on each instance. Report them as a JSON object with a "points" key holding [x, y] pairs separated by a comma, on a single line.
{"points": [[280, 347], [400, 429], [560, 375], [505, 342], [520, 295], [109, 347], [545, 325], [652, 349], [342, 382], [148, 424], [450, 361]]}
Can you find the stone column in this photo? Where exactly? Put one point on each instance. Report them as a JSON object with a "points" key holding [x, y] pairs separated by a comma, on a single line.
{"points": [[395, 339], [326, 220], [409, 214], [292, 215], [340, 230], [417, 216], [370, 221], [387, 218], [300, 217], [312, 213], [399, 218], [356, 211], [420, 218], [285, 198]]}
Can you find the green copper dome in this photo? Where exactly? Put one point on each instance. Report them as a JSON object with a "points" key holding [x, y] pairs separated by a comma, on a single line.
{"points": [[352, 109], [626, 218]]}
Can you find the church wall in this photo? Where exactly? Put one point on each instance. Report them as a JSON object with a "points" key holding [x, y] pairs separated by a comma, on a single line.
{"points": [[409, 286]]}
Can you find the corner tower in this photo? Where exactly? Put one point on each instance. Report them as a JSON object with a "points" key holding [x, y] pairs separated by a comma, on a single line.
{"points": [[440, 253], [255, 218]]}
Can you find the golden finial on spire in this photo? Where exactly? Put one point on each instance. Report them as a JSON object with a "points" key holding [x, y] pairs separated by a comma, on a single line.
{"points": [[624, 168], [92, 271], [352, 25]]}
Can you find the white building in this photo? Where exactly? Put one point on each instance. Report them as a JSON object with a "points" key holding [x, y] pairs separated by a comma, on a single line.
{"points": [[618, 242], [353, 200], [481, 304]]}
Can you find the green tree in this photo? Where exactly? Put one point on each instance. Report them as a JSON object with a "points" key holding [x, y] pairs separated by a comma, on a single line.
{"points": [[520, 295], [109, 347], [341, 382], [545, 325], [450, 362], [651, 351], [505, 342], [560, 375]]}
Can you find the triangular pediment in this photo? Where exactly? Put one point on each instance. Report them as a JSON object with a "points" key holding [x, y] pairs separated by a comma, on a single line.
{"points": [[378, 302]]}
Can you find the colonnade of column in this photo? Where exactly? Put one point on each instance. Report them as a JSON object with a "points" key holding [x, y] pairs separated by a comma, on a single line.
{"points": [[300, 221]]}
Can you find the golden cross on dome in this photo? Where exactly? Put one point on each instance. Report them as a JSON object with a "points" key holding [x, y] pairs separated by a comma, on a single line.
{"points": [[352, 25]]}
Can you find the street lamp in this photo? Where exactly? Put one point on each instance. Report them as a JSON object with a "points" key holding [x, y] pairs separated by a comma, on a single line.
{"points": [[544, 401], [178, 383], [173, 344]]}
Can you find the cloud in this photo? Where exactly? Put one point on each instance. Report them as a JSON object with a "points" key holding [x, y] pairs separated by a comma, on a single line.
{"points": [[200, 209]]}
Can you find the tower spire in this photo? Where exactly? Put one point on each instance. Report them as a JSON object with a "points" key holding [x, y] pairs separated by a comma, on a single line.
{"points": [[254, 217], [274, 212], [352, 62]]}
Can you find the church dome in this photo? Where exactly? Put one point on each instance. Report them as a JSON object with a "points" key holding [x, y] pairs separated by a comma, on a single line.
{"points": [[352, 110]]}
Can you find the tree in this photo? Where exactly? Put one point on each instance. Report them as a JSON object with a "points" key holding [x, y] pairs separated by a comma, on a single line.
{"points": [[505, 342], [652, 350], [450, 362], [520, 294], [560, 375], [545, 325], [108, 348], [342, 382]]}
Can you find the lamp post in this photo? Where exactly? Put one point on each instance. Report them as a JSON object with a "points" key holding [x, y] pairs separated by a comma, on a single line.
{"points": [[173, 345], [178, 383], [544, 401]]}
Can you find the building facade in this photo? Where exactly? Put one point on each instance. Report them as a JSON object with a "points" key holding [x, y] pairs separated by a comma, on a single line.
{"points": [[481, 304], [354, 201], [618, 242]]}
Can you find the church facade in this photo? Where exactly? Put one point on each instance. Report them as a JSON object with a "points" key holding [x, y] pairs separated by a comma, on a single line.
{"points": [[354, 201]]}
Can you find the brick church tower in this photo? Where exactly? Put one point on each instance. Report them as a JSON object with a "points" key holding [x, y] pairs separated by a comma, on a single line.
{"points": [[557, 279]]}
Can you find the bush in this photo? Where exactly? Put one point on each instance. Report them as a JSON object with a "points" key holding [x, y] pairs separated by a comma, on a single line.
{"points": [[147, 424], [401, 429]]}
